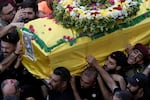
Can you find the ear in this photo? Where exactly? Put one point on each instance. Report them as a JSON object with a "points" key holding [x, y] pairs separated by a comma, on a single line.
{"points": [[118, 68], [64, 84]]}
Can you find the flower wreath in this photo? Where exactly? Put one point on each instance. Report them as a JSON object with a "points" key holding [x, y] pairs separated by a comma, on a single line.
{"points": [[94, 16]]}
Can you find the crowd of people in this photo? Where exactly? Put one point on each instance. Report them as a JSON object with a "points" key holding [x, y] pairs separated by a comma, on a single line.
{"points": [[124, 76]]}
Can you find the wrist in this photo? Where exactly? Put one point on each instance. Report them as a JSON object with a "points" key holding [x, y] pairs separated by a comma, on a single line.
{"points": [[16, 54]]}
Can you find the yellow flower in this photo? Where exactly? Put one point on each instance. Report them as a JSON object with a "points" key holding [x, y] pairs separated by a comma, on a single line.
{"points": [[68, 2], [104, 12]]}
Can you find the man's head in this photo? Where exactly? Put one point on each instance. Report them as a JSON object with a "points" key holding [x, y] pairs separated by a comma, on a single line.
{"points": [[10, 87], [122, 95], [30, 10], [7, 11], [60, 79], [8, 42], [88, 78], [115, 61], [137, 82], [138, 54]]}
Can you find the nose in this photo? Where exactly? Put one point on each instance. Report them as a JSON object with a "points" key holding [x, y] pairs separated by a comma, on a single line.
{"points": [[128, 85], [14, 12]]}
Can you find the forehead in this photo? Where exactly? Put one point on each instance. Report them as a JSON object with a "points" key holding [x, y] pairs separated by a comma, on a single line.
{"points": [[26, 10], [111, 59], [87, 79], [4, 44], [55, 77], [7, 8], [137, 52]]}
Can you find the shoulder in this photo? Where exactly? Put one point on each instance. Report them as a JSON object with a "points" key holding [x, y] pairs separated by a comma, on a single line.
{"points": [[3, 23]]}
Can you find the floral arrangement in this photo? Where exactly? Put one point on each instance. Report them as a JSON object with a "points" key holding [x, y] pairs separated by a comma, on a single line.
{"points": [[94, 16]]}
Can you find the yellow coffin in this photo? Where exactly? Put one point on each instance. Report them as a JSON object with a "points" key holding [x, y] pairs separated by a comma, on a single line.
{"points": [[49, 45]]}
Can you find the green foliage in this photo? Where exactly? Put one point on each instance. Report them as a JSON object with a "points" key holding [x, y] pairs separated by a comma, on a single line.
{"points": [[99, 25]]}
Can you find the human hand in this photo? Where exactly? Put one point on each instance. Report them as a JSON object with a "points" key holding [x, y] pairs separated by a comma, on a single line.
{"points": [[19, 15], [128, 48], [73, 82], [17, 24], [18, 48], [91, 60]]}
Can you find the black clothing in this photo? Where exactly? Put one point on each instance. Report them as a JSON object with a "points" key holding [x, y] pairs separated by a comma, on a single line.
{"points": [[66, 95], [88, 94]]}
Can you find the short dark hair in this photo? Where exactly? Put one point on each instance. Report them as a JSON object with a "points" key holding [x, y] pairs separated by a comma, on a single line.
{"points": [[91, 71], [120, 57], [124, 95], [63, 73], [142, 48], [30, 4], [11, 37], [3, 4]]}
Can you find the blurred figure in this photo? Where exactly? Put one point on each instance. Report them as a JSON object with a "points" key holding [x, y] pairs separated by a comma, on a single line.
{"points": [[59, 85], [43, 8], [86, 87], [30, 11], [122, 95], [10, 87], [137, 60]]}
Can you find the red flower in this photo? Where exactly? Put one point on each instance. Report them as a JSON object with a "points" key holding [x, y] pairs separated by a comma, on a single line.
{"points": [[118, 8], [58, 0], [71, 39], [31, 28], [122, 1], [111, 2], [94, 13], [69, 8], [49, 29], [65, 37], [68, 37]]}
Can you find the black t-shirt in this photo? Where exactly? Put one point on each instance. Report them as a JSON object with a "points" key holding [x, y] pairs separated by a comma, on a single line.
{"points": [[66, 95], [10, 72], [88, 94]]}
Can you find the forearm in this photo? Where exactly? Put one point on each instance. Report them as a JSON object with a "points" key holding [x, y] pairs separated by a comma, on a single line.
{"points": [[4, 30], [7, 61], [76, 95], [106, 94], [106, 77], [119, 79], [74, 89]]}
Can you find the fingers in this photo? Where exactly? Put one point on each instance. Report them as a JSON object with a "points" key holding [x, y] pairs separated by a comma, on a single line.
{"points": [[18, 24]]}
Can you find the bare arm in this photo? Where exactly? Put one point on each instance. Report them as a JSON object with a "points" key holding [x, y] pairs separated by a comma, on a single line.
{"points": [[75, 92], [106, 77], [9, 60], [119, 79], [4, 30], [106, 94]]}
